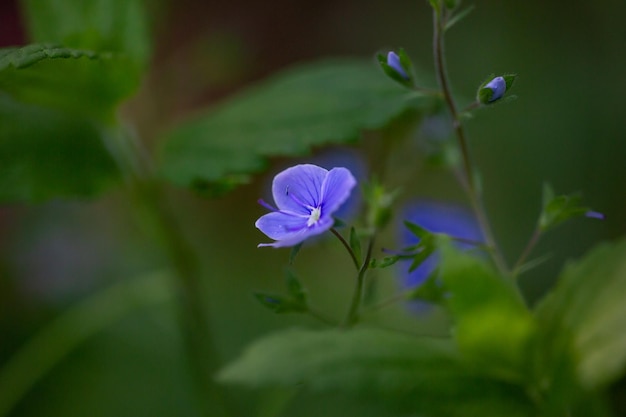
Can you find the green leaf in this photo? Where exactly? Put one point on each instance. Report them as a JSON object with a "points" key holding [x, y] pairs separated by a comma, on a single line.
{"points": [[494, 329], [415, 375], [557, 209], [303, 107], [45, 154], [118, 26], [584, 316], [81, 82], [387, 261]]}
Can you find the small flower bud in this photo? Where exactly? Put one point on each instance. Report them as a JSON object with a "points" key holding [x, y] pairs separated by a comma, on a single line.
{"points": [[393, 60], [498, 88], [495, 89], [397, 66]]}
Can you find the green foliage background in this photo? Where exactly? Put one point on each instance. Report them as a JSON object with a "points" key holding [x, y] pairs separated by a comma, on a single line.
{"points": [[565, 128]]}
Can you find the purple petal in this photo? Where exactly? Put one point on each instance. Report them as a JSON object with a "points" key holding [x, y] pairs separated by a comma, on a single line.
{"points": [[393, 60], [336, 189], [298, 186], [498, 86], [289, 229]]}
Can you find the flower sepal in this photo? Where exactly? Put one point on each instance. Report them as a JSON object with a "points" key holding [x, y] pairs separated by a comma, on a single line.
{"points": [[559, 208]]}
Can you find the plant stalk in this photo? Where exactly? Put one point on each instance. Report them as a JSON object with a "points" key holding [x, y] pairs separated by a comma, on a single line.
{"points": [[468, 177]]}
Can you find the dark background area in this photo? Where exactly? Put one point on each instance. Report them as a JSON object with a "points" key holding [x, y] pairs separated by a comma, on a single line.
{"points": [[566, 127]]}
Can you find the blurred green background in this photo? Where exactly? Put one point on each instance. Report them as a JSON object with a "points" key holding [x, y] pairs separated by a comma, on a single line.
{"points": [[566, 128]]}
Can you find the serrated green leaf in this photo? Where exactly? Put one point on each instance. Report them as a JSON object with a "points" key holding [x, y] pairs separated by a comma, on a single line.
{"points": [[117, 26], [415, 375], [81, 82], [585, 315], [302, 107], [45, 154]]}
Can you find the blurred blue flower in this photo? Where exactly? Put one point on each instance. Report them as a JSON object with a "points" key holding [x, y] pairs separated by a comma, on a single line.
{"points": [[595, 215], [498, 86], [306, 196], [436, 217], [393, 60]]}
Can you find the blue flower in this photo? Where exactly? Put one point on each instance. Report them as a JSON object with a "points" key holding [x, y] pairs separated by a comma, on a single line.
{"points": [[437, 217], [393, 60], [498, 86], [306, 196]]}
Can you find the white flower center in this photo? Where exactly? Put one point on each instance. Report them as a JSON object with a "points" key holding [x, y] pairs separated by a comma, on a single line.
{"points": [[314, 217]]}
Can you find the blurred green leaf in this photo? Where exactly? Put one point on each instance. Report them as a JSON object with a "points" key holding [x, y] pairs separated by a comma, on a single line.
{"points": [[587, 313], [494, 329], [118, 26], [431, 290], [45, 154], [81, 82], [416, 375], [56, 340], [302, 107]]}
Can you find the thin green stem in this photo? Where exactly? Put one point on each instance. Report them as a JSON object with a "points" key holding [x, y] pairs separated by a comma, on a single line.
{"points": [[346, 245], [352, 315], [532, 242], [468, 178]]}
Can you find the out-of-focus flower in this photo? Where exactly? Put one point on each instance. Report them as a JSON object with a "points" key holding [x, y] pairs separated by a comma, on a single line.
{"points": [[595, 215], [306, 196], [393, 60], [436, 217]]}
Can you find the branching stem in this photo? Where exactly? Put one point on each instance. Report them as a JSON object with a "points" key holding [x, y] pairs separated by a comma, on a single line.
{"points": [[468, 177]]}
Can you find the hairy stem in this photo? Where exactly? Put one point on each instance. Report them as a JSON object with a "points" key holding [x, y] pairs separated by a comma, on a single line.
{"points": [[468, 177]]}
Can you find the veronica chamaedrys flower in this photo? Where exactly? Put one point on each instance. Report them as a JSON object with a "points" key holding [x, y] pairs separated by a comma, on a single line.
{"points": [[498, 86], [436, 217], [393, 60], [306, 196]]}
